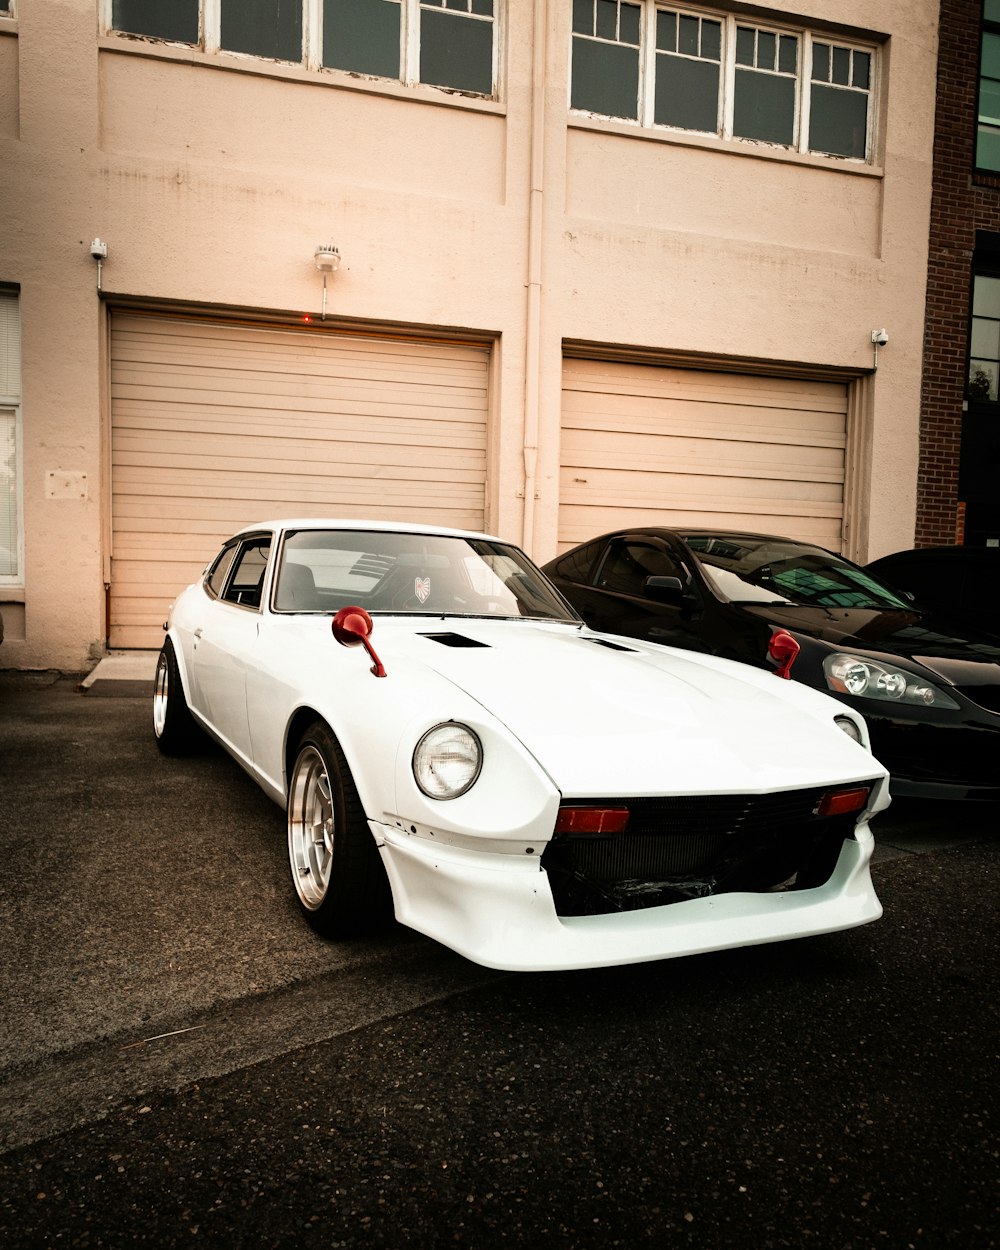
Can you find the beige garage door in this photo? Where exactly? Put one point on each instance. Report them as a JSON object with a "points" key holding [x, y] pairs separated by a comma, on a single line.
{"points": [[216, 426], [644, 445]]}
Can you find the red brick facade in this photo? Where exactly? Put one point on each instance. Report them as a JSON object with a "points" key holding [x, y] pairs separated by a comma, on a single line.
{"points": [[962, 203]]}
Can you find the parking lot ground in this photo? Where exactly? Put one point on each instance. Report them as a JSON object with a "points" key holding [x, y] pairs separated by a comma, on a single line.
{"points": [[184, 1063]]}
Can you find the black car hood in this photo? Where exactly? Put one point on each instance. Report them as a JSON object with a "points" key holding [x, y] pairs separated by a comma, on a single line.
{"points": [[961, 656]]}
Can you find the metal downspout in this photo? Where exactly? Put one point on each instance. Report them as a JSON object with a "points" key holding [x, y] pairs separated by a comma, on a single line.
{"points": [[533, 311]]}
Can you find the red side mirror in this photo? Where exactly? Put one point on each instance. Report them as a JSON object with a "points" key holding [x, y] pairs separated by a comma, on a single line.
{"points": [[352, 626], [782, 650]]}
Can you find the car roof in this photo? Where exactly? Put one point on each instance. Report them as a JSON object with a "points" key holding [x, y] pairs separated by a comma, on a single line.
{"points": [[353, 523]]}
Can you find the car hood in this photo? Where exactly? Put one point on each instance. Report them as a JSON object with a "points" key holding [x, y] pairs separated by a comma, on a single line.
{"points": [[604, 718], [959, 656]]}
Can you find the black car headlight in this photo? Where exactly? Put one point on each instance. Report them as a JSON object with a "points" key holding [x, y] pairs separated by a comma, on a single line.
{"points": [[872, 679], [447, 760]]}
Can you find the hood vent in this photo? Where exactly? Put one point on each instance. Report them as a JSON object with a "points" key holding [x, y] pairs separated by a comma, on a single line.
{"points": [[612, 646], [455, 640]]}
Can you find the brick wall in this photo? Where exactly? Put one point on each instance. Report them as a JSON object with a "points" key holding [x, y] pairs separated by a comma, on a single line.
{"points": [[962, 203]]}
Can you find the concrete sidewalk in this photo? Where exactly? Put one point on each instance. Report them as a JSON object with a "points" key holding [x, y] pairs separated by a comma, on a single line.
{"points": [[122, 674]]}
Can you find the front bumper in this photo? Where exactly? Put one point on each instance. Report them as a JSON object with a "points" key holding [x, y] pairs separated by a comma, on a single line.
{"points": [[498, 910]]}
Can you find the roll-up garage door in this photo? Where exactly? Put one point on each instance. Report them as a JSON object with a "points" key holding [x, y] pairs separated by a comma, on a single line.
{"points": [[216, 426], [648, 445]]}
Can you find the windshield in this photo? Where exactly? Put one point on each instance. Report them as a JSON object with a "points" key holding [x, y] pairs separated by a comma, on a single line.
{"points": [[779, 571], [424, 574]]}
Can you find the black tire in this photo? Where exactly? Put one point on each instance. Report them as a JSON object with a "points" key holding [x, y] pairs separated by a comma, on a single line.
{"points": [[173, 725], [337, 872]]}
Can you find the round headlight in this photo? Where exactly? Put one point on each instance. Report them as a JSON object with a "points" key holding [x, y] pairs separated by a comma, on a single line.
{"points": [[447, 760]]}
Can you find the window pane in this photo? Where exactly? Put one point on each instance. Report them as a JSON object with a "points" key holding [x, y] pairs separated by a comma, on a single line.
{"points": [[629, 23], [764, 107], [267, 28], [607, 19], [842, 66], [991, 10], [991, 56], [583, 17], [456, 51], [605, 79], [687, 94], [9, 538], [986, 338], [821, 62], [982, 379], [666, 31], [788, 54], [838, 122], [159, 19], [988, 148], [711, 40], [862, 70], [687, 40], [767, 45], [362, 36], [989, 102], [745, 45], [986, 297]]}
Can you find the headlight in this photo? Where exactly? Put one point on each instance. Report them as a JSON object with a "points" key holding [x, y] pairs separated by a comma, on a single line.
{"points": [[871, 679], [447, 760]]}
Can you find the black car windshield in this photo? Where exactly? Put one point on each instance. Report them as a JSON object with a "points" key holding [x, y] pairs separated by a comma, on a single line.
{"points": [[779, 571], [400, 573]]}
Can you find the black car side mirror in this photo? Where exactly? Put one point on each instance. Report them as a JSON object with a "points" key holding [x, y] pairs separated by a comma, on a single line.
{"points": [[664, 590]]}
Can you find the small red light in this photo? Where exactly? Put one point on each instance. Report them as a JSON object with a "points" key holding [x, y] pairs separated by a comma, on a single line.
{"points": [[307, 318], [591, 820], [783, 649], [839, 802]]}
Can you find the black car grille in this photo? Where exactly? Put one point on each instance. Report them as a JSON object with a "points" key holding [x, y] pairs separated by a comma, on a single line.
{"points": [[958, 755], [690, 847]]}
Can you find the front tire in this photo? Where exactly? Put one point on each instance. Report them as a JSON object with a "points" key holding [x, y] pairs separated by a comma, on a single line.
{"points": [[338, 875], [174, 726]]}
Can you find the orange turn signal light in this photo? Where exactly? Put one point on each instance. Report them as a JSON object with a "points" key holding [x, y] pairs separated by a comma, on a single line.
{"points": [[839, 802], [595, 820]]}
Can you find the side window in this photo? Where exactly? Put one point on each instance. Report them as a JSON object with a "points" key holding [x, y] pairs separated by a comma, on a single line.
{"points": [[248, 573], [629, 563], [216, 579], [578, 566]]}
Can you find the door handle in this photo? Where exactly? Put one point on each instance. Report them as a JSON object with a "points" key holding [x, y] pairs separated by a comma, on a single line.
{"points": [[198, 632]]}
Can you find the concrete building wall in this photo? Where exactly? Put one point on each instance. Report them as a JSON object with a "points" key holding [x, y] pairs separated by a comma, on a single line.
{"points": [[213, 179]]}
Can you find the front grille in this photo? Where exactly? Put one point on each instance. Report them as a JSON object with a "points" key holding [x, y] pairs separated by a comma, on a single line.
{"points": [[965, 755], [690, 847], [987, 697]]}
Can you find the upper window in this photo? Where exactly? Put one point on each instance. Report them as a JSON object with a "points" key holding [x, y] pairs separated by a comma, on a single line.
{"points": [[988, 133], [10, 441], [713, 74], [984, 339], [441, 43], [5, 7]]}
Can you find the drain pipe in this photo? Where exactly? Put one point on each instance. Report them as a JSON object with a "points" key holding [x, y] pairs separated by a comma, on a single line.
{"points": [[533, 309]]}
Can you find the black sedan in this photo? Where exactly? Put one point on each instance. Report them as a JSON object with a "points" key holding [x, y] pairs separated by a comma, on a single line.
{"points": [[929, 689], [962, 582]]}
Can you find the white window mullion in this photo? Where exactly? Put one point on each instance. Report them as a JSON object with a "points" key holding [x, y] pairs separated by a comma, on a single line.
{"points": [[312, 34], [805, 91], [410, 36], [647, 66], [211, 25], [728, 75]]}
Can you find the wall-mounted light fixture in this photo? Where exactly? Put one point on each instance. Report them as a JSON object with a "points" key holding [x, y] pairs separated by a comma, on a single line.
{"points": [[99, 251], [327, 261], [879, 339]]}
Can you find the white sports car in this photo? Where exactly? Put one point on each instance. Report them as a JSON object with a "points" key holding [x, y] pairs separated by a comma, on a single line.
{"points": [[452, 743]]}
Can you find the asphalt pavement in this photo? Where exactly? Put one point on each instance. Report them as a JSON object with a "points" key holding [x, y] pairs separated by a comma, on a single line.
{"points": [[185, 1064]]}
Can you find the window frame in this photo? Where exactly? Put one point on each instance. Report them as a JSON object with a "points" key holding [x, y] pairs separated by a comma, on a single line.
{"points": [[209, 43], [11, 402], [986, 26], [729, 21]]}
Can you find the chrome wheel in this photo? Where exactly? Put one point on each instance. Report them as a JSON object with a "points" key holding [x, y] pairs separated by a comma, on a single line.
{"points": [[311, 828], [161, 695]]}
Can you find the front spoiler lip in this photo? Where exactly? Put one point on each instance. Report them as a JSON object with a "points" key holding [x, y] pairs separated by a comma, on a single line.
{"points": [[497, 909]]}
